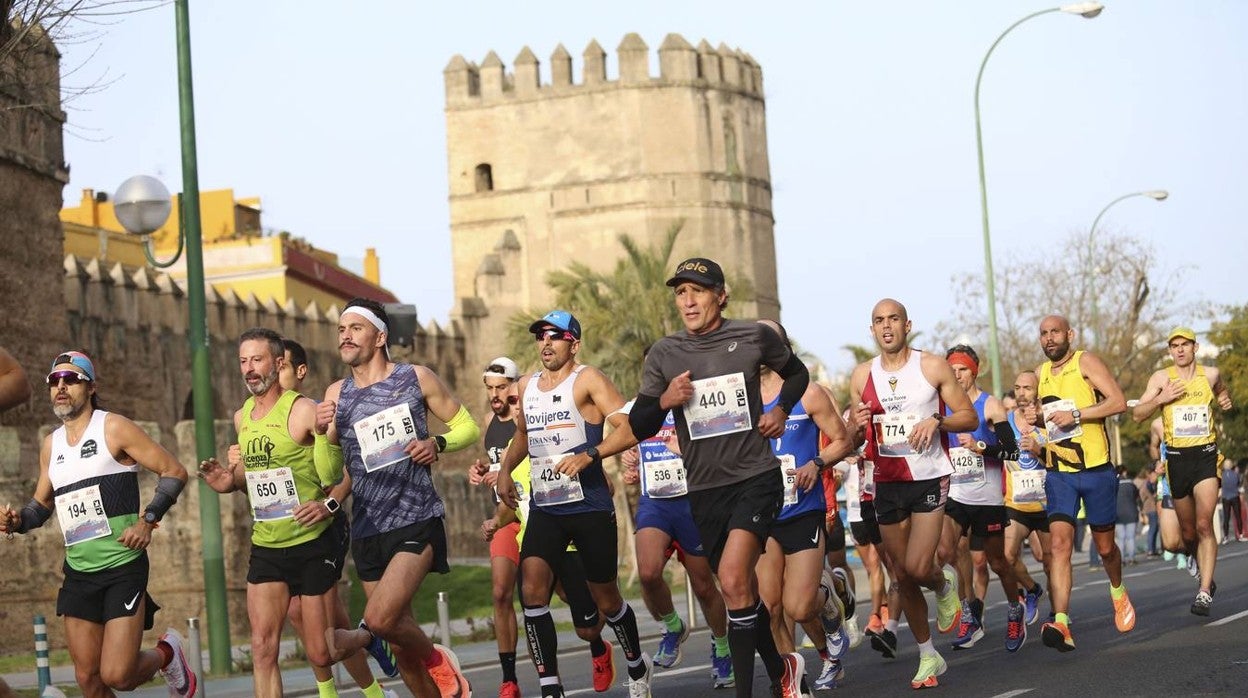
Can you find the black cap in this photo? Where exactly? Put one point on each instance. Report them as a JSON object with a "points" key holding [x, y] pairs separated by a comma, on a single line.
{"points": [[700, 271]]}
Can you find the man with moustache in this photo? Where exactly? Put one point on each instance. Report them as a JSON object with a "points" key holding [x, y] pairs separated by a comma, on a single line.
{"points": [[88, 472], [1024, 492], [294, 551], [379, 416], [897, 400], [1077, 394], [1186, 393]]}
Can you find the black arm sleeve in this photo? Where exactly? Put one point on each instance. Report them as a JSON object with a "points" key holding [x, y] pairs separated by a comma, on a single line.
{"points": [[796, 378], [646, 417], [167, 491], [1007, 446], [33, 515]]}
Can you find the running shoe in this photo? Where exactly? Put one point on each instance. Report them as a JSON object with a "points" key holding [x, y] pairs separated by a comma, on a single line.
{"points": [[1015, 628], [838, 643], [885, 642], [831, 675], [1202, 604], [604, 669], [1057, 636], [947, 607], [509, 689], [1192, 568], [721, 671], [450, 680], [848, 601], [930, 667], [1031, 603], [178, 674], [874, 625], [794, 670], [1167, 556], [1124, 613], [851, 629], [1180, 560], [969, 630], [806, 692], [833, 612], [380, 651], [640, 687], [668, 654]]}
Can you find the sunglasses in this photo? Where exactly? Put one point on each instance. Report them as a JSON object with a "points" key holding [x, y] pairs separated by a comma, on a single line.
{"points": [[70, 378], [546, 334]]}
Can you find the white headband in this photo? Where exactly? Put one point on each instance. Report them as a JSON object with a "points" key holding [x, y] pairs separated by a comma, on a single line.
{"points": [[367, 315]]}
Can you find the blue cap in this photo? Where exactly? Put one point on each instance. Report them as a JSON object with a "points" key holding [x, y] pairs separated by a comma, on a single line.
{"points": [[78, 359], [560, 319]]}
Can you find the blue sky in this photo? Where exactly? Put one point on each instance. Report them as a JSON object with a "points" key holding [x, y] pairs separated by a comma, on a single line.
{"points": [[333, 115]]}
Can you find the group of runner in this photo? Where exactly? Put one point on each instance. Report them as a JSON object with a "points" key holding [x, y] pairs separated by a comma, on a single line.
{"points": [[738, 456]]}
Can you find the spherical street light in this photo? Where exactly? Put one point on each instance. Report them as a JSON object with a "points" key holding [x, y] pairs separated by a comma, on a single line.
{"points": [[142, 205]]}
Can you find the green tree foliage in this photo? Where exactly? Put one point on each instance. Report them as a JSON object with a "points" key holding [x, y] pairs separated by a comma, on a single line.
{"points": [[1231, 339], [622, 312]]}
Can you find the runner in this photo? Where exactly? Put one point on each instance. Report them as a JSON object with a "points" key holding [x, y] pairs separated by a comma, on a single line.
{"points": [[1077, 394], [976, 508], [500, 378], [837, 559], [1167, 520], [710, 370], [898, 399], [562, 410], [1186, 393], [859, 477], [379, 415], [89, 473], [291, 374], [1024, 494], [792, 580]]}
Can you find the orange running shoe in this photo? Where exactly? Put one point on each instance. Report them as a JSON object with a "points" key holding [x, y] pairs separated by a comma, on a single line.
{"points": [[1124, 613], [1057, 636], [450, 680], [604, 669]]}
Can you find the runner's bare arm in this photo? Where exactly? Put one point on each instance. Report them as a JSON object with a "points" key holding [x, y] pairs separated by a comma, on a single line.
{"points": [[462, 430], [1097, 373], [1149, 401], [14, 386], [1220, 392]]}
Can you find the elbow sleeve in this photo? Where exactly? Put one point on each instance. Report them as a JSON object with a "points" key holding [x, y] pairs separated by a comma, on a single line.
{"points": [[462, 431], [327, 457], [646, 417], [34, 515]]}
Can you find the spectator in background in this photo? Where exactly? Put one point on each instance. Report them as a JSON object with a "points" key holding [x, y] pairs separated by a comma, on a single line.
{"points": [[1128, 515], [1147, 486], [1230, 501]]}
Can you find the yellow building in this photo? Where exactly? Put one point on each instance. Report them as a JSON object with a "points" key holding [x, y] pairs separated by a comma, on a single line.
{"points": [[238, 256]]}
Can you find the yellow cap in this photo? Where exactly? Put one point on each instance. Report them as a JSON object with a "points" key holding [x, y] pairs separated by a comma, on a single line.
{"points": [[1184, 332]]}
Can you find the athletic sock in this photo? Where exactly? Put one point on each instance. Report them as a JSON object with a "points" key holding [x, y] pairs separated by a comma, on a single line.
{"points": [[373, 691], [596, 646], [926, 648], [721, 645], [434, 659], [1035, 590], [166, 653], [672, 622], [325, 689], [765, 643], [544, 647], [977, 610], [891, 625], [1062, 618], [742, 623], [507, 660], [1117, 592], [624, 623]]}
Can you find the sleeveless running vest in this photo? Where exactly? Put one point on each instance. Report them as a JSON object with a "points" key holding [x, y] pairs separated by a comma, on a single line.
{"points": [[1027, 463], [96, 498], [900, 399], [796, 448], [399, 494], [1089, 448], [280, 475], [1188, 421], [976, 479], [660, 469], [555, 428]]}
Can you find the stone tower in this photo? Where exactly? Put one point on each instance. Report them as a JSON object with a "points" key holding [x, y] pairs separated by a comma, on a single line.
{"points": [[544, 172]]}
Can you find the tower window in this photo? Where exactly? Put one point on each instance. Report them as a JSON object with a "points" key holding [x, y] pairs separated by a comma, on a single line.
{"points": [[485, 177]]}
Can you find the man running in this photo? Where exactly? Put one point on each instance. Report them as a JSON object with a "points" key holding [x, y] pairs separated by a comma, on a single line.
{"points": [[1186, 393], [563, 409], [1077, 394], [976, 507], [897, 400], [1024, 492], [379, 415], [89, 474], [291, 374]]}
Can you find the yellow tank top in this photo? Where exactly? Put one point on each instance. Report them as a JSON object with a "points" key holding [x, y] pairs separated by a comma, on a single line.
{"points": [[1089, 448], [280, 476], [1188, 421]]}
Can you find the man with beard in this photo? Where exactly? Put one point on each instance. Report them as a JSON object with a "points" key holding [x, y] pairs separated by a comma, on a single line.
{"points": [[1077, 394], [294, 551], [1186, 393], [88, 472], [1024, 493], [897, 400], [379, 415]]}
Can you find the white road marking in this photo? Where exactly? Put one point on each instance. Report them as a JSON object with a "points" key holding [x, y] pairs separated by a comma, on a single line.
{"points": [[1011, 694], [658, 675], [1227, 619]]}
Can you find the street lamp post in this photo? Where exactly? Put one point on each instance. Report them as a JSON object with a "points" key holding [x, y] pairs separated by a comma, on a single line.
{"points": [[1154, 194], [136, 201], [1083, 9]]}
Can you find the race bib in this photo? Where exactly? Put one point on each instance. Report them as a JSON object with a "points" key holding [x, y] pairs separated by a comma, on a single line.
{"points": [[788, 478], [664, 479], [272, 493], [867, 475], [551, 487], [82, 517], [718, 406], [1056, 434], [1027, 486], [892, 431], [384, 436], [1190, 420], [968, 467]]}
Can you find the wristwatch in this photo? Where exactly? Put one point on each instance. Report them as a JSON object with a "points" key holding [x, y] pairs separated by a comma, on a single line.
{"points": [[980, 445], [1077, 415], [592, 452], [331, 505], [819, 462], [150, 517], [440, 441]]}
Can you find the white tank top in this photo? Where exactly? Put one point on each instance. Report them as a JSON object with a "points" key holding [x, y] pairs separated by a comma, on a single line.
{"points": [[899, 400], [553, 423]]}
